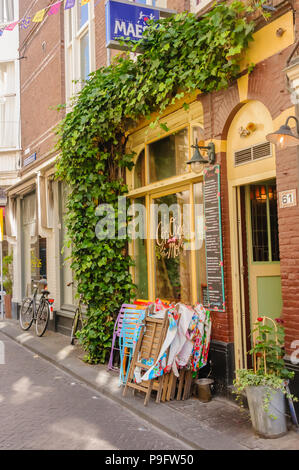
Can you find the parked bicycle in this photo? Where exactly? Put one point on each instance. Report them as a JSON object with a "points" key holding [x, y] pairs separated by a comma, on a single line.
{"points": [[78, 318], [36, 310]]}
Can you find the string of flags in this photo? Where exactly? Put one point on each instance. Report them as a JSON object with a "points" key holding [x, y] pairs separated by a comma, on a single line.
{"points": [[38, 17]]}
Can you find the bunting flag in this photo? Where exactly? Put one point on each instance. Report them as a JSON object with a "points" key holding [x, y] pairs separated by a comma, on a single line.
{"points": [[54, 8], [25, 22], [84, 2], [39, 16], [11, 26], [69, 4]]}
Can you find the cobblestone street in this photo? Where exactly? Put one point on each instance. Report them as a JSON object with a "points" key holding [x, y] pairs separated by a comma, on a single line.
{"points": [[41, 407]]}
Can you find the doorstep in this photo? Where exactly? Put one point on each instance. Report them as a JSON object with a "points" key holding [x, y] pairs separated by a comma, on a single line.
{"points": [[216, 425]]}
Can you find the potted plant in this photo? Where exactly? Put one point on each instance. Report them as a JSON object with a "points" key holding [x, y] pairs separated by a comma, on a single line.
{"points": [[7, 284], [265, 384]]}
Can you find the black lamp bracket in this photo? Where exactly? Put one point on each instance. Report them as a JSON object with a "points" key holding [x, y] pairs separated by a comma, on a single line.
{"points": [[297, 122], [210, 148]]}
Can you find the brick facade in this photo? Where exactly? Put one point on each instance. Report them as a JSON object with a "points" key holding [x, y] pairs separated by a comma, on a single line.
{"points": [[42, 78], [43, 87]]}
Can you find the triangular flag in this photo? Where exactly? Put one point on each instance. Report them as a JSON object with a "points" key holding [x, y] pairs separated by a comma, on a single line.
{"points": [[54, 9], [11, 26], [83, 2], [39, 16], [69, 4], [25, 22]]}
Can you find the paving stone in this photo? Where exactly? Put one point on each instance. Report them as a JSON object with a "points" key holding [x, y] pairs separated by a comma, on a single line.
{"points": [[41, 410], [218, 424]]}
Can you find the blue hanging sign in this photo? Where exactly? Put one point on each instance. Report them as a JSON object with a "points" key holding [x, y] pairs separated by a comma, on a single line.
{"points": [[128, 20], [29, 159]]}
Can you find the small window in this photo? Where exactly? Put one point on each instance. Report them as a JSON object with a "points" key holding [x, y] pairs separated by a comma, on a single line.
{"points": [[264, 222], [168, 156]]}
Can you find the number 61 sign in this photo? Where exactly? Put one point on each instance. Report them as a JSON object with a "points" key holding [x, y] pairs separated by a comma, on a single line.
{"points": [[287, 198]]}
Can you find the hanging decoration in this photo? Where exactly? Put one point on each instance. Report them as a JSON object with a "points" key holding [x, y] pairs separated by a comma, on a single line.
{"points": [[54, 9], [38, 17]]}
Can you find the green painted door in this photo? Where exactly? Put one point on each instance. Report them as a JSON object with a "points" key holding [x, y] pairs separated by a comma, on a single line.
{"points": [[263, 251]]}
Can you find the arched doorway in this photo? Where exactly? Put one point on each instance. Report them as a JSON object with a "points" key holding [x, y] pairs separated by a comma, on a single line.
{"points": [[251, 172]]}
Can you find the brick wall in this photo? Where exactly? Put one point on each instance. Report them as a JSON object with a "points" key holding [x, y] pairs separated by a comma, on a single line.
{"points": [[42, 77]]}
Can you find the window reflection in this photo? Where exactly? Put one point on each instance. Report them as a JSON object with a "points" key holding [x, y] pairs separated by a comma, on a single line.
{"points": [[168, 156], [172, 261], [139, 171]]}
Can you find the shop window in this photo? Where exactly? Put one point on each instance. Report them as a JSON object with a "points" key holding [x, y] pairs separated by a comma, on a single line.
{"points": [[139, 171], [200, 248], [170, 259], [67, 292], [264, 222], [31, 262], [172, 263], [168, 156], [139, 247]]}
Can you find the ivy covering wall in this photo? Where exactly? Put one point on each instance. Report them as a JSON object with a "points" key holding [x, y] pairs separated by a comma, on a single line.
{"points": [[181, 55]]}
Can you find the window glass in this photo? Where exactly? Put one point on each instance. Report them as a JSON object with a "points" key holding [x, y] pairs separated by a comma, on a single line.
{"points": [[168, 156], [200, 249], [139, 243], [139, 171], [70, 24], [272, 194], [68, 292], [259, 224], [84, 56], [8, 124], [172, 262], [31, 260], [82, 15]]}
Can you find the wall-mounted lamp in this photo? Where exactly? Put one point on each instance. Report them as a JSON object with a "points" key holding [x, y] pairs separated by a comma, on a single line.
{"points": [[284, 137], [197, 161]]}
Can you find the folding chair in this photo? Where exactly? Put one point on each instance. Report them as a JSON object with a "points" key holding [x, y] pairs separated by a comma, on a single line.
{"points": [[116, 333], [131, 327]]}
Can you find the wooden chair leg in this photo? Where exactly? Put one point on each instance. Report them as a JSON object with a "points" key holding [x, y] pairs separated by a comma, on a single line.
{"points": [[181, 383]]}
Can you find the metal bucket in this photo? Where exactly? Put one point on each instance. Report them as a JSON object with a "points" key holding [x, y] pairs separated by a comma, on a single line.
{"points": [[202, 389], [263, 424]]}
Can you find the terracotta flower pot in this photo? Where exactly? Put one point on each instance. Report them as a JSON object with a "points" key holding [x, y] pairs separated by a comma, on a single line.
{"points": [[7, 305]]}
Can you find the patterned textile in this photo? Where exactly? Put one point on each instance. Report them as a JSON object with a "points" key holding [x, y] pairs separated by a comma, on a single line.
{"points": [[200, 332], [159, 368]]}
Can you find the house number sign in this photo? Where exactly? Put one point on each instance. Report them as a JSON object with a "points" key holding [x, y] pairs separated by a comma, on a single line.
{"points": [[287, 198]]}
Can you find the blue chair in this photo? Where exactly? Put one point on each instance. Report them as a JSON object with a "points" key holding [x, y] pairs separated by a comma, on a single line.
{"points": [[130, 330]]}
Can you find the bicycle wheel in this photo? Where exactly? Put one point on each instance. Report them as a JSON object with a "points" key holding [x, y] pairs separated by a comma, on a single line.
{"points": [[26, 314], [42, 318], [74, 326]]}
